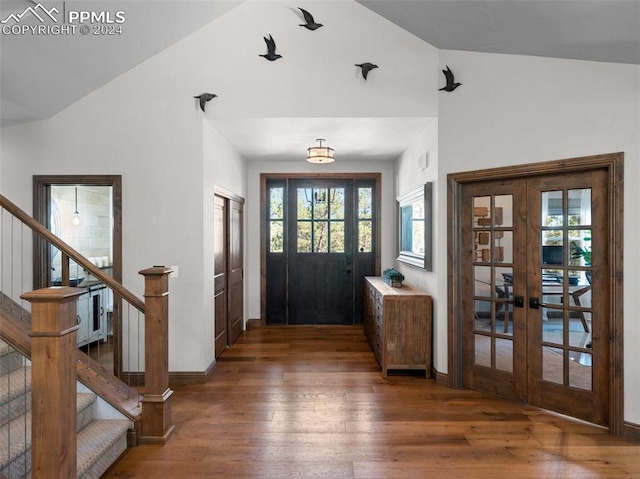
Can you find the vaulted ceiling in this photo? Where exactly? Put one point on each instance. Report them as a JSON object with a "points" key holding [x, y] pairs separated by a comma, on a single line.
{"points": [[40, 76]]}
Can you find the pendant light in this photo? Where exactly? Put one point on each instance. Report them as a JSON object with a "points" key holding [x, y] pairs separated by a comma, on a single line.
{"points": [[76, 215]]}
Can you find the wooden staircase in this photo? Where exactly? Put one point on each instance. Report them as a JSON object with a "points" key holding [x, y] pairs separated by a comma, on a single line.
{"points": [[41, 369], [99, 441]]}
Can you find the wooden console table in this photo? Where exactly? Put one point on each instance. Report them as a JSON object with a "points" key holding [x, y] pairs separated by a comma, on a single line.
{"points": [[398, 325]]}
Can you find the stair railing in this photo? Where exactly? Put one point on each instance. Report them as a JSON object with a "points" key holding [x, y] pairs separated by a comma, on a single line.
{"points": [[135, 316], [70, 253]]}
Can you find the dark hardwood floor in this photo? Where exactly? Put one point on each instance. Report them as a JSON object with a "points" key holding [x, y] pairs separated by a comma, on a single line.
{"points": [[310, 402]]}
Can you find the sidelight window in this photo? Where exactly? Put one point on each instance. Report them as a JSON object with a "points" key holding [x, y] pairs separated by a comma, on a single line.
{"points": [[276, 219], [365, 219]]}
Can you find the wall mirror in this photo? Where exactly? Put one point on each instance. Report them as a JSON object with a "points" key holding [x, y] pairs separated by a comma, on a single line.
{"points": [[415, 226]]}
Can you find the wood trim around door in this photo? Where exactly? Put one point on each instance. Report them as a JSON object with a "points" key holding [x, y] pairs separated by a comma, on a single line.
{"points": [[41, 212], [265, 177], [613, 163], [41, 190]]}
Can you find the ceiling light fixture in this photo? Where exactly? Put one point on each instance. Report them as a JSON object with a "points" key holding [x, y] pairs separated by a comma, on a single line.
{"points": [[76, 215], [320, 154]]}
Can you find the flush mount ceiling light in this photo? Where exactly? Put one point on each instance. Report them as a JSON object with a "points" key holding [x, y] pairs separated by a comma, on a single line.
{"points": [[320, 154]]}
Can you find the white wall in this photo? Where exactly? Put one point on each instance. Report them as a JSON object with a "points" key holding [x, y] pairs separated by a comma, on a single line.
{"points": [[146, 126], [408, 177], [317, 70], [513, 110], [387, 215], [223, 167]]}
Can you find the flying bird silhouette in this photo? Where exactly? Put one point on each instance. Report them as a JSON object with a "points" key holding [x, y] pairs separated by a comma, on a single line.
{"points": [[451, 84], [366, 68], [271, 54], [311, 24], [204, 98]]}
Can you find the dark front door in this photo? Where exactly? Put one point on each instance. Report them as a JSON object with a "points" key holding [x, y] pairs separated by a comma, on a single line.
{"points": [[320, 246], [320, 252]]}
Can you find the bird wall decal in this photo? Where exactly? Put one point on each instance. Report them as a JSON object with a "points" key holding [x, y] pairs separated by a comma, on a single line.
{"points": [[204, 98], [271, 54], [310, 22], [366, 68], [451, 83]]}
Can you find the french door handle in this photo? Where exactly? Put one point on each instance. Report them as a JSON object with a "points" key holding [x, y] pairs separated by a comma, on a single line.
{"points": [[534, 303], [518, 301]]}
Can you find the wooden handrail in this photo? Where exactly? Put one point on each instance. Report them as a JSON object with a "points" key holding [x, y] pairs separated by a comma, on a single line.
{"points": [[115, 286]]}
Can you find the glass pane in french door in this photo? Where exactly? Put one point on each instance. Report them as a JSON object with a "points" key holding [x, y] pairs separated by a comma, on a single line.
{"points": [[493, 252], [568, 328], [565, 326]]}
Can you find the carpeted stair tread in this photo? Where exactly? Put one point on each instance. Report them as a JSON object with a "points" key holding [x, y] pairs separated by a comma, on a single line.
{"points": [[100, 444], [19, 430], [21, 426], [10, 360], [17, 427], [14, 383], [15, 394], [85, 409]]}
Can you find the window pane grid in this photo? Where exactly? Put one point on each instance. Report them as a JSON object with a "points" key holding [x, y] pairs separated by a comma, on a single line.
{"points": [[320, 218], [365, 203], [276, 219]]}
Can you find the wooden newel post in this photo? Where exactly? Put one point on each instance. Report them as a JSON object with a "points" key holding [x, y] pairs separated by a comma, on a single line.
{"points": [[157, 425], [53, 382]]}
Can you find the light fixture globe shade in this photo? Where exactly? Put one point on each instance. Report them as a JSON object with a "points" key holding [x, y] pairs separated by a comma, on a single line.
{"points": [[320, 154]]}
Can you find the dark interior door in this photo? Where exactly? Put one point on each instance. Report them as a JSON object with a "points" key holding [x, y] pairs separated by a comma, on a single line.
{"points": [[320, 254], [220, 276], [235, 271], [228, 269]]}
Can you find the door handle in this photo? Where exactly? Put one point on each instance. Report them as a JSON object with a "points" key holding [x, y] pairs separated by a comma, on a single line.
{"points": [[534, 303]]}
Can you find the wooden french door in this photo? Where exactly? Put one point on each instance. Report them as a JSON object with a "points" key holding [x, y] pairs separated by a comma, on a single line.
{"points": [[228, 270], [536, 325], [320, 243]]}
